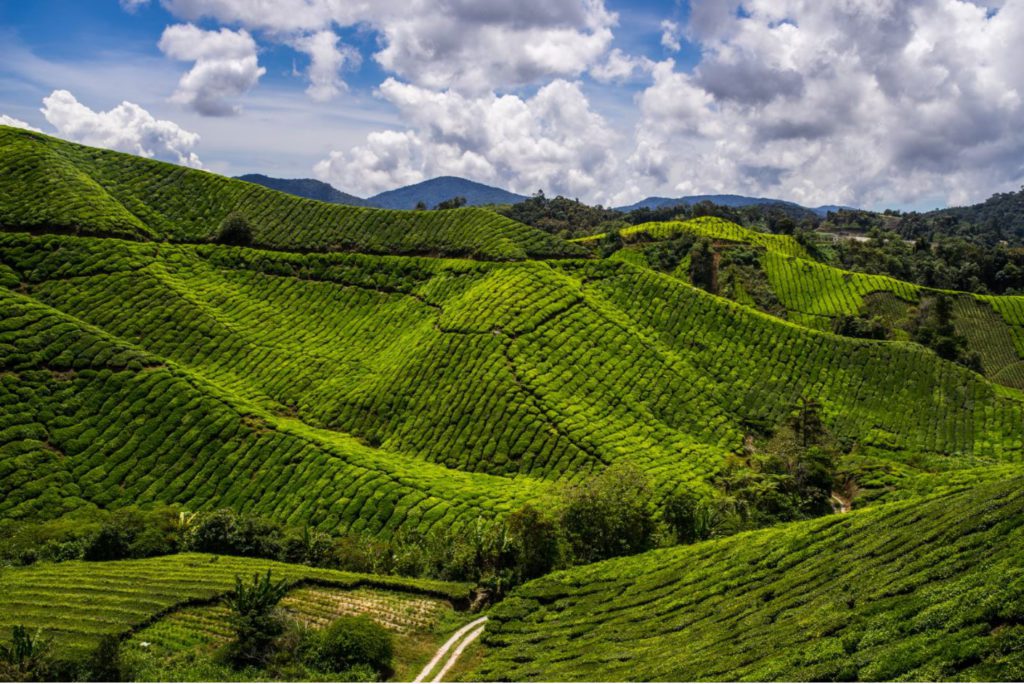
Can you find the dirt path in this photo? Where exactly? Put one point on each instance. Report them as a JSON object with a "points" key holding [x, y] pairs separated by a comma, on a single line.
{"points": [[474, 629]]}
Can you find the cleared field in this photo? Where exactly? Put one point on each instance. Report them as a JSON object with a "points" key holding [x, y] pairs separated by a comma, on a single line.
{"points": [[921, 591]]}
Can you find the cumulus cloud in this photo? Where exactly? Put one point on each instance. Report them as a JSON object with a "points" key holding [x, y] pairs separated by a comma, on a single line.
{"points": [[328, 57], [861, 101], [17, 123], [466, 45], [127, 128], [225, 67], [552, 140]]}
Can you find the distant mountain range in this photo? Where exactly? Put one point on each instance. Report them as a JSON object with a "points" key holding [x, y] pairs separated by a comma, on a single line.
{"points": [[305, 187], [726, 201], [430, 193], [436, 190]]}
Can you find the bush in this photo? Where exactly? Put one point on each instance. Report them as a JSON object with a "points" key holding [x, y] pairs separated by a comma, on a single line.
{"points": [[609, 515], [235, 230], [351, 642]]}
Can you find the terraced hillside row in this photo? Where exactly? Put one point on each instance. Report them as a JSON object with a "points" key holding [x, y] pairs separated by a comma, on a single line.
{"points": [[76, 603], [211, 376], [90, 420], [50, 185], [814, 294], [930, 590]]}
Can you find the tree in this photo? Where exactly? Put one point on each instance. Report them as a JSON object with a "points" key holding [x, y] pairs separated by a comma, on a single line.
{"points": [[610, 514], [254, 618], [690, 518], [452, 203], [535, 540], [235, 230], [421, 206], [702, 266]]}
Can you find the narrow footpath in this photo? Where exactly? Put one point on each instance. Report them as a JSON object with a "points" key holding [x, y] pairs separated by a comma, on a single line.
{"points": [[460, 640]]}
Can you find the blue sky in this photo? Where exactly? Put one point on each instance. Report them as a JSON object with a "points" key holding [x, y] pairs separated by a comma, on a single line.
{"points": [[909, 104]]}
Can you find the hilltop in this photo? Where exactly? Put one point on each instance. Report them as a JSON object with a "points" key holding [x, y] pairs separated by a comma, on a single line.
{"points": [[436, 190]]}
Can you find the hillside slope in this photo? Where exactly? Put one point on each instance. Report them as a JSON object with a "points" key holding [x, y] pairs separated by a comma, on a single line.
{"points": [[49, 185], [813, 294], [455, 378], [925, 591]]}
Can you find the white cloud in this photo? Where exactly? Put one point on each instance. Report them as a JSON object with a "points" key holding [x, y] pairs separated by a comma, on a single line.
{"points": [[17, 123], [127, 128], [670, 34], [225, 67], [327, 59], [862, 101], [132, 5], [552, 140], [621, 67], [466, 45]]}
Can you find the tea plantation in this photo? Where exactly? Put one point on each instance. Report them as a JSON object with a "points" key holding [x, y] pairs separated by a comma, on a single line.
{"points": [[928, 591], [395, 377]]}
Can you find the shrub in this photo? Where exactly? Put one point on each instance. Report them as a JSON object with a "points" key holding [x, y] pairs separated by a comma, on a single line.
{"points": [[235, 230], [351, 642], [26, 657], [254, 619], [223, 532]]}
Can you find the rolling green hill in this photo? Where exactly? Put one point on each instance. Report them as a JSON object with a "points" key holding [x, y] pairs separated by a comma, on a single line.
{"points": [[49, 185], [920, 591]]}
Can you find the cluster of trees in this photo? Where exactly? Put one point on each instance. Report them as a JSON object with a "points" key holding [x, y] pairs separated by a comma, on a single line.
{"points": [[932, 325], [997, 220], [570, 218], [952, 263]]}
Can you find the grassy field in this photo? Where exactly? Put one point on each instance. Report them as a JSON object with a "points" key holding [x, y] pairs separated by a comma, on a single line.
{"points": [[920, 591]]}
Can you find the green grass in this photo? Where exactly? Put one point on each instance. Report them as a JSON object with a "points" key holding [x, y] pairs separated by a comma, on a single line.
{"points": [[920, 591], [49, 185], [76, 603]]}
